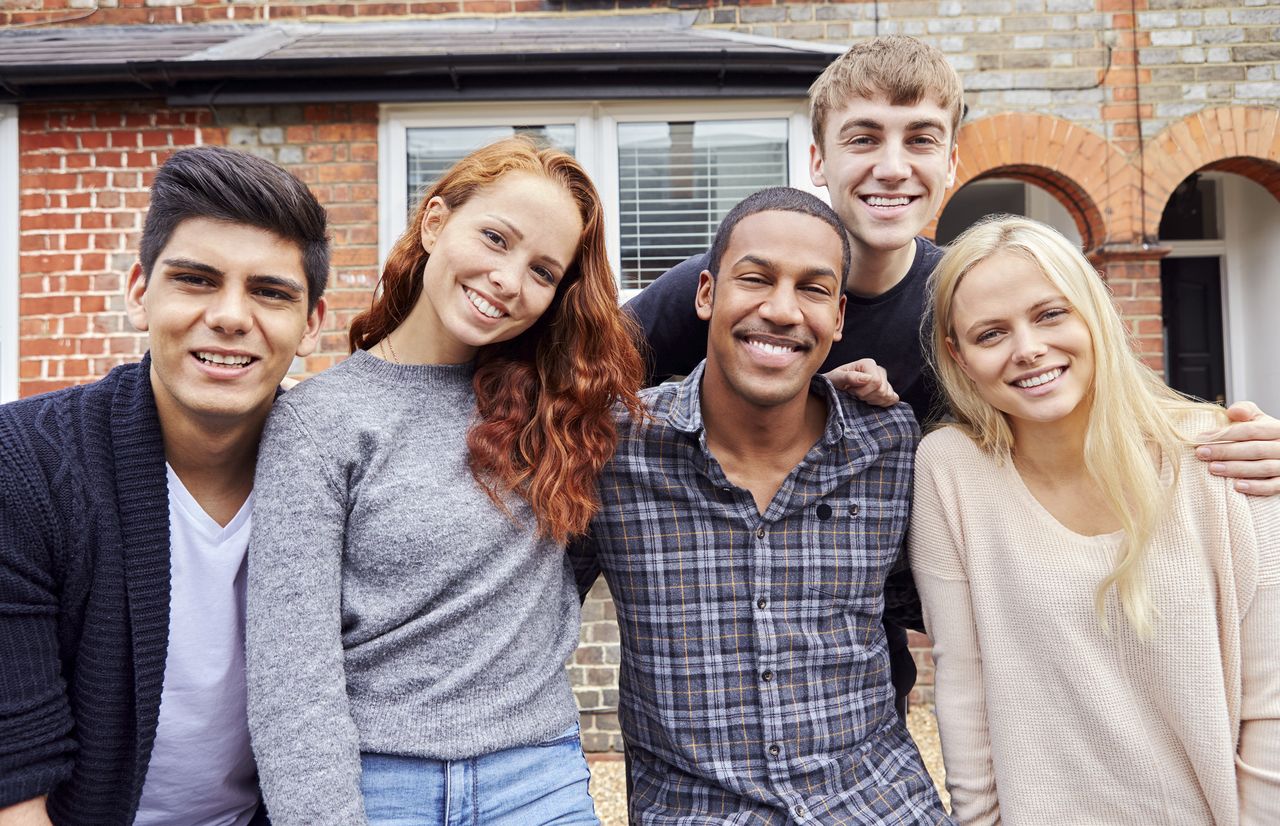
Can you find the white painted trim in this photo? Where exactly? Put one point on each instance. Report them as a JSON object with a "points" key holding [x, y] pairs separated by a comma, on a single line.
{"points": [[9, 262], [1235, 337], [597, 143]]}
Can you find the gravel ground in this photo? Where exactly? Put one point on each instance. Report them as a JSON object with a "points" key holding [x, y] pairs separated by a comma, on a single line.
{"points": [[609, 787]]}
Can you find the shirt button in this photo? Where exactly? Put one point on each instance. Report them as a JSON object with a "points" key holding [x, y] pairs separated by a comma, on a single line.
{"points": [[767, 676], [801, 811], [762, 602], [759, 533], [853, 510], [774, 750]]}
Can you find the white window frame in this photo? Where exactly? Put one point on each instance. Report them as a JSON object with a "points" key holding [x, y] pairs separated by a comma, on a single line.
{"points": [[9, 261], [596, 144]]}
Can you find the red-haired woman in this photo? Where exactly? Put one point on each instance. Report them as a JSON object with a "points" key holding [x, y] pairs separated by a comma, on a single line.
{"points": [[411, 608]]}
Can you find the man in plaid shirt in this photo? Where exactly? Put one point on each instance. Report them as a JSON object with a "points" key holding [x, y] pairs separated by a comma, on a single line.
{"points": [[747, 532]]}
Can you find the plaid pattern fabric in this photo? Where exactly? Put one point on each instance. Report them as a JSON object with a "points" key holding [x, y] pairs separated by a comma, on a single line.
{"points": [[755, 673]]}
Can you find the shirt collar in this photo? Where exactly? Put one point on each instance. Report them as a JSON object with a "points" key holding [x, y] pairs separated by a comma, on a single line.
{"points": [[686, 410]]}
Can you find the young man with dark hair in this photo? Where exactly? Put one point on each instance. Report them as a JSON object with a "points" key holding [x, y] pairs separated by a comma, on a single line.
{"points": [[125, 508], [747, 531], [885, 116]]}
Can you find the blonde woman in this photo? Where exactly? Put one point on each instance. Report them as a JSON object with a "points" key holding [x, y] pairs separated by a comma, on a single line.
{"points": [[1104, 613]]}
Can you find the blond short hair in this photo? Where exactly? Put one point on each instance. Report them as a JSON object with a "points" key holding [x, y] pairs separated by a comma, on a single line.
{"points": [[900, 68]]}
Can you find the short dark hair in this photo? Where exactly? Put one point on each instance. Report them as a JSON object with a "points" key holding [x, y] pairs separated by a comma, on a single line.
{"points": [[779, 199], [224, 185]]}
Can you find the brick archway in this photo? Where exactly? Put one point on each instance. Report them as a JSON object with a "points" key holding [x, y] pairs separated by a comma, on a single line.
{"points": [[1078, 167], [1240, 139]]}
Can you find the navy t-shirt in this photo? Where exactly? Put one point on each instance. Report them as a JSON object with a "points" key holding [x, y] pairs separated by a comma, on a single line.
{"points": [[886, 328]]}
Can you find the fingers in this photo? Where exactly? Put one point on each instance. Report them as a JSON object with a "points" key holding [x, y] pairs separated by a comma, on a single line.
{"points": [[1257, 478], [1243, 411], [866, 380], [1262, 428]]}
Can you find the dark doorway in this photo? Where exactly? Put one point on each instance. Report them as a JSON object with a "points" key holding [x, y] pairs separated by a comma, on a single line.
{"points": [[1191, 290]]}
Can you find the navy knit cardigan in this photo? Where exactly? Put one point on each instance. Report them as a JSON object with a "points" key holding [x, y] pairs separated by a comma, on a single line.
{"points": [[84, 596]]}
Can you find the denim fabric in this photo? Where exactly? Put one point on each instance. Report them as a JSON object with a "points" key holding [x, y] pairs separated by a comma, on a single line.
{"points": [[524, 786]]}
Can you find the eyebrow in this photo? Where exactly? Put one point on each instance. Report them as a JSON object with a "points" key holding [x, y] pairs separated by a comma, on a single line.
{"points": [[514, 230], [754, 259], [510, 226], [191, 264], [261, 280], [926, 123], [811, 272], [913, 126], [1043, 302]]}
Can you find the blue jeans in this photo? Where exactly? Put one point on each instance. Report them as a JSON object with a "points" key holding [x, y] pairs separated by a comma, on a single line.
{"points": [[523, 786]]}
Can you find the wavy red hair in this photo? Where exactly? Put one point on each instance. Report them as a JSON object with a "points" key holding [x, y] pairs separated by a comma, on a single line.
{"points": [[544, 399]]}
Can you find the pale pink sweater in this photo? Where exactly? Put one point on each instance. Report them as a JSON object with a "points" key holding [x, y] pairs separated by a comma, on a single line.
{"points": [[1045, 719]]}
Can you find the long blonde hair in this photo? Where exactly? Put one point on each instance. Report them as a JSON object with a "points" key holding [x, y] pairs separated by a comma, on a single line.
{"points": [[1131, 409]]}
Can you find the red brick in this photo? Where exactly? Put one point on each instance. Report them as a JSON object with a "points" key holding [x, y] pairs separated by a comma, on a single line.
{"points": [[48, 347]]}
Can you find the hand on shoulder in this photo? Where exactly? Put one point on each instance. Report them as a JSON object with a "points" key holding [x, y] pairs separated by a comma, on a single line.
{"points": [[1247, 450]]}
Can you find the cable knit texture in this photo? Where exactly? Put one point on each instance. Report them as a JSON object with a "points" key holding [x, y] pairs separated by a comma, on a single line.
{"points": [[1044, 717], [392, 607], [84, 596]]}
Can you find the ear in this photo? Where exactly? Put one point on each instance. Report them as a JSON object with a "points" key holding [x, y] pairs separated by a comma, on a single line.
{"points": [[815, 166], [135, 289], [706, 295], [311, 334], [952, 164], [840, 318], [954, 351], [433, 221]]}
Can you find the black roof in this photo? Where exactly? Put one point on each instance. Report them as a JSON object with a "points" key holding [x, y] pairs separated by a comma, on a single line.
{"points": [[644, 55]]}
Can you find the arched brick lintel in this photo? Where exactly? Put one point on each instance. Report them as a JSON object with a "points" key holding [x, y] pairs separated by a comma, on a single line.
{"points": [[1077, 166], [1240, 139], [1086, 214]]}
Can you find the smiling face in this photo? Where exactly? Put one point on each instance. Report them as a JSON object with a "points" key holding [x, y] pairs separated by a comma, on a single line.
{"points": [[886, 168], [774, 308], [1027, 351], [225, 310], [494, 264]]}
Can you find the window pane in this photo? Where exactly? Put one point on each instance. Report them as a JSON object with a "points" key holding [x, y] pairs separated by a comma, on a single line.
{"points": [[432, 150], [678, 180]]}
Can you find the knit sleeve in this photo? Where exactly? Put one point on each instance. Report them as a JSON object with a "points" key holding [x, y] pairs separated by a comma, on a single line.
{"points": [[937, 561], [1258, 755], [304, 738], [36, 747]]}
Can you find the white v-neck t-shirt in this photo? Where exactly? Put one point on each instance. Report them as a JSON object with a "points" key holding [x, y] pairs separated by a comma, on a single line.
{"points": [[201, 771]]}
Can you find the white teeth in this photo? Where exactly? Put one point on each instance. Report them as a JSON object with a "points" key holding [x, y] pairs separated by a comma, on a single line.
{"points": [[773, 349], [1043, 378], [218, 358], [876, 200], [484, 306]]}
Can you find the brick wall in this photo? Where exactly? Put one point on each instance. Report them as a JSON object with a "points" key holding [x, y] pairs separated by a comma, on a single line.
{"points": [[1108, 104], [84, 172]]}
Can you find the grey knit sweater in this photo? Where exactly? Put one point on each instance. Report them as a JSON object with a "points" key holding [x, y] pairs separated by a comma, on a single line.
{"points": [[392, 607]]}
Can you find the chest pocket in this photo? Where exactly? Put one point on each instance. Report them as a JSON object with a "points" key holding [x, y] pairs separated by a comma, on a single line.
{"points": [[849, 553]]}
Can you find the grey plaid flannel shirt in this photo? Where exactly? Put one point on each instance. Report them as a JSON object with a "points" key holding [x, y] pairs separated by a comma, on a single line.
{"points": [[755, 673]]}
